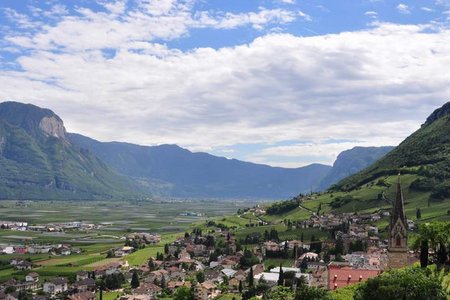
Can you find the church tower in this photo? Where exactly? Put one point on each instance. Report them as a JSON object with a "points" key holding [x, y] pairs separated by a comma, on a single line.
{"points": [[398, 236]]}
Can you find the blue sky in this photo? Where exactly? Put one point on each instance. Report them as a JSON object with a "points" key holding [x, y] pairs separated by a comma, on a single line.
{"points": [[281, 82]]}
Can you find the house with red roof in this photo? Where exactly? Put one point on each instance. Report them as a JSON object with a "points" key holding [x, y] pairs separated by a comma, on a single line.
{"points": [[341, 275]]}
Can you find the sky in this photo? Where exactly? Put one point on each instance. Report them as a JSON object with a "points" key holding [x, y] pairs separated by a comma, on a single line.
{"points": [[280, 82]]}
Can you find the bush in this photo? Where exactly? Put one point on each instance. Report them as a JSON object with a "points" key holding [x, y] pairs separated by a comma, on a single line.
{"points": [[423, 184], [383, 182], [441, 191], [407, 284], [341, 201], [279, 208]]}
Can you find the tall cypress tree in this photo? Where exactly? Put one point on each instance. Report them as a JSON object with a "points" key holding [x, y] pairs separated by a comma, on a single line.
{"points": [[424, 253], [135, 280], [281, 276], [250, 278]]}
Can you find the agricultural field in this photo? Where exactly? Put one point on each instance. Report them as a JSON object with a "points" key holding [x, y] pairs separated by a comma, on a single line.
{"points": [[168, 219]]}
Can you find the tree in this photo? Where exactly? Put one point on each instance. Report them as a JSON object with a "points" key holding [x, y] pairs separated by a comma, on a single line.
{"points": [[166, 249], [134, 280], [213, 257], [163, 283], [438, 236], [405, 284], [304, 265], [311, 293], [273, 235], [281, 276], [262, 285], [10, 289], [240, 288], [281, 293], [183, 293], [295, 252], [200, 276], [151, 264], [301, 237], [418, 214], [250, 278], [159, 256], [110, 253], [339, 248], [424, 253]]}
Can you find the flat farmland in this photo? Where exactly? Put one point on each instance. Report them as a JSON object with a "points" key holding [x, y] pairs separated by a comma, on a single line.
{"points": [[166, 218]]}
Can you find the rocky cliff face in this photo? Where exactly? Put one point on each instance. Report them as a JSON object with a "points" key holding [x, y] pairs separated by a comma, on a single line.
{"points": [[37, 161], [439, 113], [53, 126]]}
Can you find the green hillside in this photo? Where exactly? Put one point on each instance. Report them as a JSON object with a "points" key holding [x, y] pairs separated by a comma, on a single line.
{"points": [[38, 162], [426, 153], [423, 160]]}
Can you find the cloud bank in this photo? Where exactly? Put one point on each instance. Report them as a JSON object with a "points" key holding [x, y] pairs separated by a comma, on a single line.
{"points": [[110, 75]]}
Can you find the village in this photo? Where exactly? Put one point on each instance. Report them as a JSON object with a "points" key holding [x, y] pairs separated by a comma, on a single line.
{"points": [[210, 261]]}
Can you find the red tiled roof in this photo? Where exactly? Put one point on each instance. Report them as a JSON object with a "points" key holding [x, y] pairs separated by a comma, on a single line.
{"points": [[341, 277]]}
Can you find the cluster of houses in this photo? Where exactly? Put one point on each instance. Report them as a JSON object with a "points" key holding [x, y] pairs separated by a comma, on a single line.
{"points": [[218, 262], [54, 249], [83, 289], [53, 227], [144, 238]]}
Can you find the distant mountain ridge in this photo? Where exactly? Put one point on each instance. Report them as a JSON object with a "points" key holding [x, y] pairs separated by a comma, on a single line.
{"points": [[351, 161], [40, 160], [172, 170]]}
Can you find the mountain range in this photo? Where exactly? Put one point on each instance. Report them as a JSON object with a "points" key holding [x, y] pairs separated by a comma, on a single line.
{"points": [[425, 155], [40, 160]]}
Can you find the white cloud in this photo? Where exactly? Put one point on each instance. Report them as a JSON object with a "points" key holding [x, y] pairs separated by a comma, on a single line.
{"points": [[22, 20], [256, 19], [372, 14], [374, 86], [403, 9], [150, 20], [447, 13], [427, 9]]}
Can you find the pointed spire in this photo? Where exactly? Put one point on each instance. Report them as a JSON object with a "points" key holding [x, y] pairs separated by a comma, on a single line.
{"points": [[398, 209]]}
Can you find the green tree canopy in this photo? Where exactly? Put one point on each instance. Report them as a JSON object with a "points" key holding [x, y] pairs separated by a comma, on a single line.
{"points": [[405, 284], [183, 293]]}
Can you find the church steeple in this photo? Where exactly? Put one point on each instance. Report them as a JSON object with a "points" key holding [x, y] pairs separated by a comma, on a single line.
{"points": [[398, 236], [398, 212]]}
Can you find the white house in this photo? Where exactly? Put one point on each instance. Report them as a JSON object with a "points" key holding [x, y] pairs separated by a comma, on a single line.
{"points": [[56, 286], [8, 250], [32, 277]]}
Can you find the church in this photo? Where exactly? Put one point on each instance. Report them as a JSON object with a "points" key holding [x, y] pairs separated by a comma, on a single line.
{"points": [[398, 235]]}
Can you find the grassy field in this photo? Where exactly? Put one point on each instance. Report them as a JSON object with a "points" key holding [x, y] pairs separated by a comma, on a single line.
{"points": [[109, 295], [117, 219], [229, 297], [365, 200], [277, 261]]}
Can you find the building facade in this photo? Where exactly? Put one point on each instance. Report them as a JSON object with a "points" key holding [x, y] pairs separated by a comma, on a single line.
{"points": [[398, 235]]}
